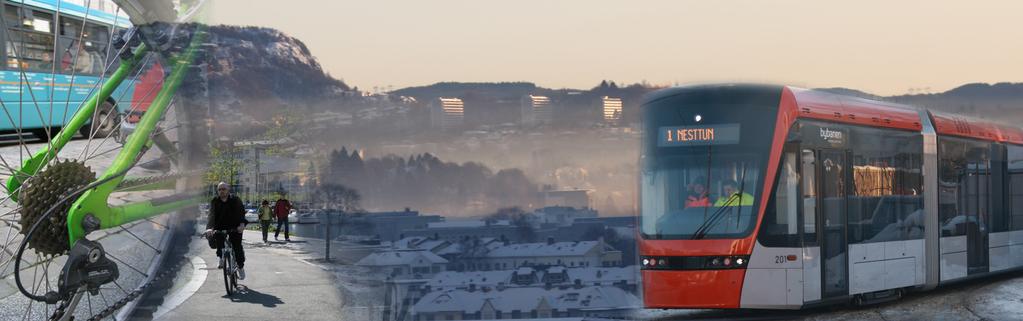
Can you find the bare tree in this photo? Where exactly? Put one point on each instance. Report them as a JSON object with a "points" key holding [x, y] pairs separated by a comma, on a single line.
{"points": [[337, 197]]}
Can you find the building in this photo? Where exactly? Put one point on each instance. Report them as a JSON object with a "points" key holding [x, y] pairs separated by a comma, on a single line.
{"points": [[612, 109], [623, 277], [416, 264], [536, 110], [578, 198], [562, 215], [458, 231], [422, 243], [388, 226], [491, 303], [550, 253], [447, 113]]}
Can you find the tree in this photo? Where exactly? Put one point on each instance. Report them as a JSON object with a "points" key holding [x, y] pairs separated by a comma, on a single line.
{"points": [[224, 164], [337, 197]]}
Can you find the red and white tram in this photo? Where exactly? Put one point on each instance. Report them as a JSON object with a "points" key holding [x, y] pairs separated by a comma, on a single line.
{"points": [[778, 197]]}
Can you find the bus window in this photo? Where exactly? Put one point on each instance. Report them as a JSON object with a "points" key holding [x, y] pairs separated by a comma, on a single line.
{"points": [[97, 33], [70, 27], [11, 16], [30, 42]]}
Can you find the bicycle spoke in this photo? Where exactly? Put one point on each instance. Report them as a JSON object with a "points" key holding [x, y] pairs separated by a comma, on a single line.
{"points": [[120, 287], [140, 239], [126, 264]]}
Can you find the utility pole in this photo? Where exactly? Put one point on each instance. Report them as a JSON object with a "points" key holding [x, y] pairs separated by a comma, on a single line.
{"points": [[329, 227]]}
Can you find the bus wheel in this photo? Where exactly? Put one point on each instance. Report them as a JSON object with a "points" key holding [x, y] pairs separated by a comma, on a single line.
{"points": [[105, 123]]}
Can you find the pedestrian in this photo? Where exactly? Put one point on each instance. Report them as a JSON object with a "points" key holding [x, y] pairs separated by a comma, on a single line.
{"points": [[227, 213], [265, 218], [282, 208]]}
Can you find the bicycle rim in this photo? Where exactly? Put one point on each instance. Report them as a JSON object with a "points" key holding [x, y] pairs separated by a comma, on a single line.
{"points": [[227, 274], [82, 55]]}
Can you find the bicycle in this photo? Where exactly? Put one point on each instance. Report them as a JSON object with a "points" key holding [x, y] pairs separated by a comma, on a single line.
{"points": [[51, 206], [227, 261]]}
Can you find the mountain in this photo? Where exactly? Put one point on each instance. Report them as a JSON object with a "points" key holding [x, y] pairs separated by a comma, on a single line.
{"points": [[501, 90], [263, 70]]}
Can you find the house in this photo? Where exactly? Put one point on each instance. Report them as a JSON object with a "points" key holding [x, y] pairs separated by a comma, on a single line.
{"points": [[486, 303], [414, 264], [550, 253]]}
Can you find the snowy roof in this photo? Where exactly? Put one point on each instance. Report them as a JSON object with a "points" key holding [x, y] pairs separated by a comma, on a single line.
{"points": [[527, 299], [406, 243], [431, 244], [464, 224], [463, 279], [391, 258], [589, 275], [543, 249]]}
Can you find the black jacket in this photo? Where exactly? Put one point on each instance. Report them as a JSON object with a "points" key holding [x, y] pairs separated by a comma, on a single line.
{"points": [[226, 215]]}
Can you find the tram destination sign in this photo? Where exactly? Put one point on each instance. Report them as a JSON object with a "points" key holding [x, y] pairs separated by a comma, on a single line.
{"points": [[720, 134]]}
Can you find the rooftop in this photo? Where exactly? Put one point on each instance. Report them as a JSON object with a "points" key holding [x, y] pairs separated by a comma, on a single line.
{"points": [[527, 299], [392, 258], [543, 249]]}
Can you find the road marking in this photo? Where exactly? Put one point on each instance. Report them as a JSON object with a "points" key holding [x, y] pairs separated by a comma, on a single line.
{"points": [[178, 297]]}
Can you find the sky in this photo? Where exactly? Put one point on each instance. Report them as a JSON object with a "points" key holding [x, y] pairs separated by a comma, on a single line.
{"points": [[879, 46]]}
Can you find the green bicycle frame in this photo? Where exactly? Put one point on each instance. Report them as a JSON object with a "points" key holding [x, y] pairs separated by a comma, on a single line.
{"points": [[94, 201]]}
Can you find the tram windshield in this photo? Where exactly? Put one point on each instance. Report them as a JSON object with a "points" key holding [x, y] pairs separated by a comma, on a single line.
{"points": [[704, 194]]}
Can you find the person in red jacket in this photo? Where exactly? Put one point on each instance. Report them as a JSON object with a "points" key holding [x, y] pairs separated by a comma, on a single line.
{"points": [[282, 208]]}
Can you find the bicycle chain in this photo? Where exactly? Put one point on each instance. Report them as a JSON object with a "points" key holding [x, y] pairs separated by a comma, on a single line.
{"points": [[59, 311], [130, 296]]}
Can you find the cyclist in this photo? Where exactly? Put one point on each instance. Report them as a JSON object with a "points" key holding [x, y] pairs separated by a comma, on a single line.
{"points": [[227, 213]]}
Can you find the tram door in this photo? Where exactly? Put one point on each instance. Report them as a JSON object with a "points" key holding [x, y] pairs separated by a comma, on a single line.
{"points": [[833, 171]]}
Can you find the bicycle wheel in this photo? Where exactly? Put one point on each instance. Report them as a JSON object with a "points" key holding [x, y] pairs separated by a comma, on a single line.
{"points": [[63, 58], [228, 272]]}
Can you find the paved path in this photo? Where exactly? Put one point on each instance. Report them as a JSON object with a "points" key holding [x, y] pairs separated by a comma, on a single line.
{"points": [[278, 286]]}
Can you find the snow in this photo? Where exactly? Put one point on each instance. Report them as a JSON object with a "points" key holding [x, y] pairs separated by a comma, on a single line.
{"points": [[528, 299], [543, 249], [392, 258]]}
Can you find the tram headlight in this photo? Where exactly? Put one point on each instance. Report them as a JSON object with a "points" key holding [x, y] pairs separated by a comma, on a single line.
{"points": [[698, 118], [646, 262], [739, 261], [728, 261]]}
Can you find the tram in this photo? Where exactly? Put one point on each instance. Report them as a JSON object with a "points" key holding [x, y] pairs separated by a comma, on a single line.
{"points": [[776, 197]]}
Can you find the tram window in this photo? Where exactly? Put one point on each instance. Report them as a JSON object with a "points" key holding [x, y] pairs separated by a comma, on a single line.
{"points": [[781, 227], [964, 180], [886, 202], [809, 196], [1015, 193]]}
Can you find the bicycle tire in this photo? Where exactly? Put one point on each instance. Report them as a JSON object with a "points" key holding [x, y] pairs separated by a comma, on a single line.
{"points": [[226, 261]]}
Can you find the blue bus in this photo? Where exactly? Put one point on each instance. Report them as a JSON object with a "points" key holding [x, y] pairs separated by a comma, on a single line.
{"points": [[56, 53]]}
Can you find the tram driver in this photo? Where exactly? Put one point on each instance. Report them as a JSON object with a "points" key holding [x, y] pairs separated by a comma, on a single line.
{"points": [[731, 195]]}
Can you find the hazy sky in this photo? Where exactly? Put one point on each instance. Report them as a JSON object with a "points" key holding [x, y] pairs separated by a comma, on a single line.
{"points": [[881, 46]]}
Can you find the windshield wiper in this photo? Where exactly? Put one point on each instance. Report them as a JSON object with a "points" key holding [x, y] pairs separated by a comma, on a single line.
{"points": [[701, 231]]}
